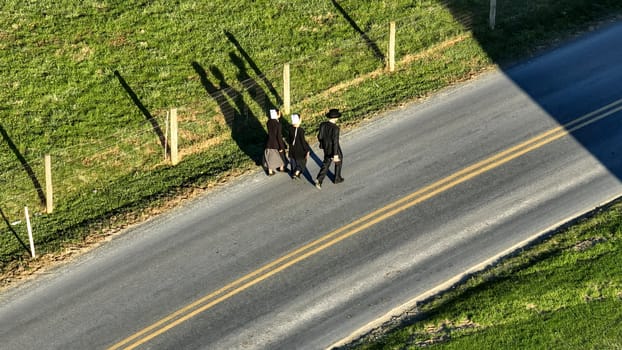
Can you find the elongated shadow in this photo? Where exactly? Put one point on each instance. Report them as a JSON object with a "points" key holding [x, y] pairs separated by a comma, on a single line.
{"points": [[370, 43], [246, 130], [320, 161], [8, 224], [254, 67], [251, 86], [579, 79], [307, 174], [226, 109], [154, 123], [25, 165], [316, 158]]}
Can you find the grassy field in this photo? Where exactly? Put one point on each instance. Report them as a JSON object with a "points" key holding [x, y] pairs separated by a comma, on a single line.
{"points": [[565, 293], [90, 84]]}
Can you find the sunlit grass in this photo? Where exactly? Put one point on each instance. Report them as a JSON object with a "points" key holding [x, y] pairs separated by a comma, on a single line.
{"points": [[565, 293], [90, 83]]}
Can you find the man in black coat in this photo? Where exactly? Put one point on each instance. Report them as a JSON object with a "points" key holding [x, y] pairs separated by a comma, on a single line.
{"points": [[328, 136]]}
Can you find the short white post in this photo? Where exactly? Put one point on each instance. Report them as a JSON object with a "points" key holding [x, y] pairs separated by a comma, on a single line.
{"points": [[392, 47], [174, 154], [49, 193], [493, 13], [286, 90], [32, 243]]}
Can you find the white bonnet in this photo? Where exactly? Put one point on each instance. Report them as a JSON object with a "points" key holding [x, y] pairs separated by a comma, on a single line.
{"points": [[295, 119], [274, 114]]}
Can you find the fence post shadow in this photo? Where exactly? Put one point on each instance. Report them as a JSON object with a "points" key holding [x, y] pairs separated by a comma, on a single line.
{"points": [[154, 123], [25, 165], [8, 224], [370, 43]]}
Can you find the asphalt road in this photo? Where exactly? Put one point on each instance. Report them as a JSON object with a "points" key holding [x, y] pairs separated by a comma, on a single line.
{"points": [[431, 191]]}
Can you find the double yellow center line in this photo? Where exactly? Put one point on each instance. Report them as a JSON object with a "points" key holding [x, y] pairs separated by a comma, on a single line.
{"points": [[359, 225]]}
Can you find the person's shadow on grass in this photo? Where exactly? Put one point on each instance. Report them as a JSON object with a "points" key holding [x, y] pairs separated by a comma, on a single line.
{"points": [[246, 130]]}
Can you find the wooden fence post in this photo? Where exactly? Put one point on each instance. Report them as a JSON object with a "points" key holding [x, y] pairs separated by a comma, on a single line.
{"points": [[493, 13], [392, 47], [49, 193], [286, 90], [166, 136], [174, 154]]}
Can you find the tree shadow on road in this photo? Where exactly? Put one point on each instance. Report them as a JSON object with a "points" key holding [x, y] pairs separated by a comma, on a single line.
{"points": [[565, 85]]}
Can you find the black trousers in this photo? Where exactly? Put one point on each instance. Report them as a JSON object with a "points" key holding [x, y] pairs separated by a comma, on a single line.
{"points": [[298, 164], [324, 170]]}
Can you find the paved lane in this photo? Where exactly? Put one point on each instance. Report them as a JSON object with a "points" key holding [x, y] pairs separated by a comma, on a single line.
{"points": [[431, 190]]}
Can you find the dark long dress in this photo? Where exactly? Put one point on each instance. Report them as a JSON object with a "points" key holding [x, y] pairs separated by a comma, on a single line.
{"points": [[273, 159], [298, 148]]}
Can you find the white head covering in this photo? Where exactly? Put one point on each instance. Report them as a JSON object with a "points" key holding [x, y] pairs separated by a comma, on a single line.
{"points": [[295, 119], [274, 114]]}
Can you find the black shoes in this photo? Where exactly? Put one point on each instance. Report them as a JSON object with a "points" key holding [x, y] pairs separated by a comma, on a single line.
{"points": [[318, 184]]}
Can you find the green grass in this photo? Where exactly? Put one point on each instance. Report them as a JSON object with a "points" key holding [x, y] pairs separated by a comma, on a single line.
{"points": [[565, 293], [90, 85]]}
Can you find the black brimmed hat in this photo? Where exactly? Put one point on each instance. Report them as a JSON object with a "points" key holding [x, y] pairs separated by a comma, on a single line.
{"points": [[333, 113]]}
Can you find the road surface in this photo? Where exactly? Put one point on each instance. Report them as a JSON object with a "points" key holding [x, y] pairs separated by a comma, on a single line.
{"points": [[431, 190]]}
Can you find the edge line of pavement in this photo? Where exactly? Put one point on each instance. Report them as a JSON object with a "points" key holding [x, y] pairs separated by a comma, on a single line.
{"points": [[399, 311]]}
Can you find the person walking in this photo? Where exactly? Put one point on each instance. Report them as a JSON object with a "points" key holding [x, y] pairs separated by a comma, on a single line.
{"points": [[275, 147], [299, 149], [328, 136]]}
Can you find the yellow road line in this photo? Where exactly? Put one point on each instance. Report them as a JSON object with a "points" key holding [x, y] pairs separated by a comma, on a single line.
{"points": [[361, 224]]}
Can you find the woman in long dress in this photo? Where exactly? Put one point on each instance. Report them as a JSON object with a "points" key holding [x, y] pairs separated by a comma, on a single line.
{"points": [[275, 147], [299, 149]]}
